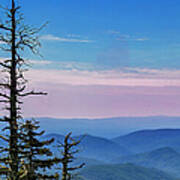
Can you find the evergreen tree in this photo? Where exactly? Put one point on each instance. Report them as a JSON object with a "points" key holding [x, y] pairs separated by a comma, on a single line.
{"points": [[35, 153], [15, 37], [68, 151]]}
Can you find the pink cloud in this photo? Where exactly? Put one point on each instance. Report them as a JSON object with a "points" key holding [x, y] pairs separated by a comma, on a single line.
{"points": [[104, 94], [104, 101], [142, 77]]}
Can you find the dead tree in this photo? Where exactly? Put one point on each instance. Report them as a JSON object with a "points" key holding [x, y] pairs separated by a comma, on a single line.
{"points": [[68, 151], [15, 37]]}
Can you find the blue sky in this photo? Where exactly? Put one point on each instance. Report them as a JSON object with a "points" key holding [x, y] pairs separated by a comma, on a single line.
{"points": [[136, 33], [104, 58]]}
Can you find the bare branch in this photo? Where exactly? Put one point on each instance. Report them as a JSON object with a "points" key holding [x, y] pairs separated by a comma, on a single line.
{"points": [[4, 65], [4, 101], [77, 167], [4, 95], [5, 28], [4, 120], [5, 139], [32, 93], [5, 85], [5, 49]]}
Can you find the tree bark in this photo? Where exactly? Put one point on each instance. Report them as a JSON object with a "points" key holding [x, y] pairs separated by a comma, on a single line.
{"points": [[13, 100]]}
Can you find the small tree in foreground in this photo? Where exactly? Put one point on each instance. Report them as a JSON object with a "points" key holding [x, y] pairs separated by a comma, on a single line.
{"points": [[68, 151], [35, 153]]}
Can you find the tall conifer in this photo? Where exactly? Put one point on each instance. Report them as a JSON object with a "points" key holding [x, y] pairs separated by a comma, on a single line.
{"points": [[15, 38]]}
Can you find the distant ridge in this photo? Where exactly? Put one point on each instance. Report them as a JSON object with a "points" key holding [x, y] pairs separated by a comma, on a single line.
{"points": [[123, 172], [94, 147], [147, 140], [165, 159], [151, 132], [107, 127], [54, 135]]}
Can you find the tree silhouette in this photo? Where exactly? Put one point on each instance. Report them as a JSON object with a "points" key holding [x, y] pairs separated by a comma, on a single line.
{"points": [[68, 151], [32, 150], [15, 38]]}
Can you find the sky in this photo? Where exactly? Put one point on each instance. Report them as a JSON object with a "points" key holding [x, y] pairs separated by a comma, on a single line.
{"points": [[104, 58]]}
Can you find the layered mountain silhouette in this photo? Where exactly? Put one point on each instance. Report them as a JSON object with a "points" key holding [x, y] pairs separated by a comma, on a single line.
{"points": [[147, 140], [107, 127], [93, 147], [150, 154], [122, 172], [165, 159]]}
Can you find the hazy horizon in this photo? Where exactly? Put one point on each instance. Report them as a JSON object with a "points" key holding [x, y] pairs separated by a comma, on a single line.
{"points": [[110, 59], [107, 127]]}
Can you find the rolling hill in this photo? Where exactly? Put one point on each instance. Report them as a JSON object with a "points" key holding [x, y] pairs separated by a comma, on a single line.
{"points": [[147, 148], [93, 147], [165, 159], [148, 140], [122, 172], [101, 148]]}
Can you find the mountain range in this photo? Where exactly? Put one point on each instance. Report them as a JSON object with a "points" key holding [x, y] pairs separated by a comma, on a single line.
{"points": [[147, 140], [145, 149], [122, 172], [165, 159], [93, 147], [107, 127]]}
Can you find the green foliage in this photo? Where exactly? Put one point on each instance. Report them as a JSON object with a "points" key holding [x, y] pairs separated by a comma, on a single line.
{"points": [[35, 153]]}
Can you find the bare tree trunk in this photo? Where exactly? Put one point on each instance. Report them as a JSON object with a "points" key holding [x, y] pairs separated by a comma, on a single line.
{"points": [[16, 37], [69, 149], [64, 171], [13, 100]]}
